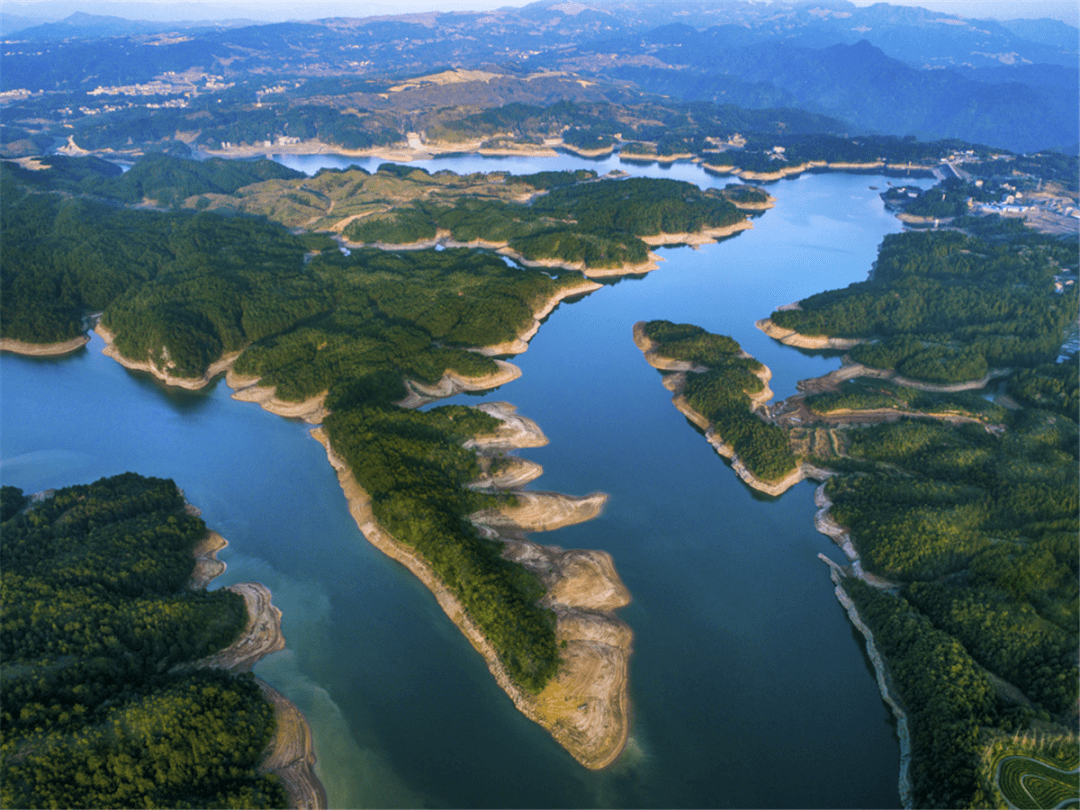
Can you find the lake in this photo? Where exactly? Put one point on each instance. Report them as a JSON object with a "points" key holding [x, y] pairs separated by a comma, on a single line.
{"points": [[749, 687]]}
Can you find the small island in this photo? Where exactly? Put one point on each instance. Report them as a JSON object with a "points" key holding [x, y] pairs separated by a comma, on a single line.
{"points": [[723, 390], [125, 682]]}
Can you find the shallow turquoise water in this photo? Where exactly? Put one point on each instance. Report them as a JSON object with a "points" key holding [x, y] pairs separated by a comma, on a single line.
{"points": [[749, 687]]}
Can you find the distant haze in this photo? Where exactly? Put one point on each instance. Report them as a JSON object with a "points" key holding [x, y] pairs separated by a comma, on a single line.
{"points": [[278, 10]]}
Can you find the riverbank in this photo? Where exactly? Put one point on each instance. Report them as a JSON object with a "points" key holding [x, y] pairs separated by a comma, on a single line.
{"points": [[521, 343], [224, 363], [789, 337], [884, 682], [290, 754], [824, 524], [452, 384], [586, 706], [850, 370], [795, 169], [247, 389], [43, 349]]}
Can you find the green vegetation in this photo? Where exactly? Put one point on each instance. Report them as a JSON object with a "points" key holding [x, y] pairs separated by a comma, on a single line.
{"points": [[165, 179], [1032, 771], [945, 307], [414, 468], [948, 696], [1051, 386], [183, 288], [867, 393], [977, 522], [720, 395], [597, 223], [96, 620], [981, 529]]}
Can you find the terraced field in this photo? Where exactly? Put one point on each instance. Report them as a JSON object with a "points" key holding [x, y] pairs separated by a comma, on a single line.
{"points": [[1032, 784]]}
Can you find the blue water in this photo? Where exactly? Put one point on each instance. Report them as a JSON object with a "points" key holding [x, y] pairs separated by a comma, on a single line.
{"points": [[749, 687]]}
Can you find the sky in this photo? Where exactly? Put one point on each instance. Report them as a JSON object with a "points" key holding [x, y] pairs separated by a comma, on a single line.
{"points": [[277, 10]]}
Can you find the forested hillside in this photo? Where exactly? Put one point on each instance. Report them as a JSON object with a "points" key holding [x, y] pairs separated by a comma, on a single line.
{"points": [[945, 307], [96, 618]]}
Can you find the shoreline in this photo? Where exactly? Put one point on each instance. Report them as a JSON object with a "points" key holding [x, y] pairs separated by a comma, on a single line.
{"points": [[789, 337], [223, 363], [790, 170], [247, 389], [824, 524], [585, 707], [290, 755], [521, 343], [884, 682], [452, 384], [849, 371], [444, 239], [25, 349]]}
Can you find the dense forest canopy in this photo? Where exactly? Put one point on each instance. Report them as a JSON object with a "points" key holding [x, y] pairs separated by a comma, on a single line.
{"points": [[944, 307], [97, 619]]}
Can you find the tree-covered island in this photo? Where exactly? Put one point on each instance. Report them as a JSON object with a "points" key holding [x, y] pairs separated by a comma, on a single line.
{"points": [[959, 516], [107, 701]]}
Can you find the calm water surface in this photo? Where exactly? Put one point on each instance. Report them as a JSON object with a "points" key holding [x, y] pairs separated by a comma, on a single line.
{"points": [[749, 687]]}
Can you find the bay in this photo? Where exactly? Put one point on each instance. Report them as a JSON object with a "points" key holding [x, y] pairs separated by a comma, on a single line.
{"points": [[749, 687]]}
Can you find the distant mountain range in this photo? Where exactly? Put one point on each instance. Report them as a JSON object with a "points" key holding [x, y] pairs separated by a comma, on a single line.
{"points": [[884, 69]]}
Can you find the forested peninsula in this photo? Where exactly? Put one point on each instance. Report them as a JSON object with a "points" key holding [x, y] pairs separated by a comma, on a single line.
{"points": [[958, 515], [125, 682], [345, 338]]}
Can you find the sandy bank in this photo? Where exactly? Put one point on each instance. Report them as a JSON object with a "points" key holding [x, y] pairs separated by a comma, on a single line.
{"points": [[452, 384], [207, 565], [541, 511], [514, 431], [585, 707], [260, 636], [246, 389], [801, 472], [676, 383], [755, 206], [521, 342], [290, 754], [703, 237], [506, 472], [884, 681], [849, 371], [789, 170], [587, 153], [649, 347], [789, 337], [43, 349], [191, 383], [824, 524]]}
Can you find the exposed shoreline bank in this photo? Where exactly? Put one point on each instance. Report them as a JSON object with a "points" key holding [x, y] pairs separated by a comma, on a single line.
{"points": [[824, 524], [25, 349], [223, 363], [791, 170], [789, 337], [586, 706], [290, 754]]}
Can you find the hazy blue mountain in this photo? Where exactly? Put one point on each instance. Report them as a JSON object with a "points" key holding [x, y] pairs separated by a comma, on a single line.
{"points": [[90, 26]]}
